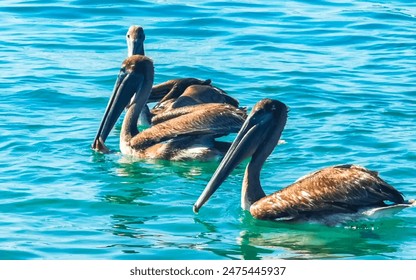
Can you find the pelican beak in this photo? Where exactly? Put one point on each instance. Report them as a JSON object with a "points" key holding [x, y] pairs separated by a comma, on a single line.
{"points": [[138, 46], [253, 138], [126, 86]]}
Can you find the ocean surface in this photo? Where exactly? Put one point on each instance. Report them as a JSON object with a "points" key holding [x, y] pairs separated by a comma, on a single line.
{"points": [[346, 69]]}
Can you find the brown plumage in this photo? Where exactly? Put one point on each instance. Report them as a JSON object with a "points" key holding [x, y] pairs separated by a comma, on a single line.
{"points": [[333, 190], [172, 89], [337, 189], [192, 126], [190, 96], [186, 102], [205, 119]]}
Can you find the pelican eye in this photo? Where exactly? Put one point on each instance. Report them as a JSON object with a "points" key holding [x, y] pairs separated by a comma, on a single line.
{"points": [[128, 35]]}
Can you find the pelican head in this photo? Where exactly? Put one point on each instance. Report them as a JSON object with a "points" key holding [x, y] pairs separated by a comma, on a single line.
{"points": [[132, 88], [257, 138], [135, 40]]}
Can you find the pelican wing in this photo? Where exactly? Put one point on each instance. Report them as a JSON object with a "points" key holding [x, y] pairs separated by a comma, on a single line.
{"points": [[200, 120], [193, 95], [338, 189], [173, 88]]}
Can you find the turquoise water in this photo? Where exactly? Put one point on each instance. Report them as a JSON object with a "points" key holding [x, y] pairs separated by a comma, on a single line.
{"points": [[345, 69]]}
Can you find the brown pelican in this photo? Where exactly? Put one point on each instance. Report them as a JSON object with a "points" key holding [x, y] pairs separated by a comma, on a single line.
{"points": [[177, 92], [338, 189], [189, 133]]}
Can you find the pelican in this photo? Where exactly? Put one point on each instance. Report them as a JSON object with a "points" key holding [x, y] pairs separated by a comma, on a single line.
{"points": [[342, 189], [174, 93], [189, 134]]}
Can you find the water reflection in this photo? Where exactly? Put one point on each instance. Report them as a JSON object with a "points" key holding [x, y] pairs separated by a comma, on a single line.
{"points": [[132, 237], [127, 166], [281, 240]]}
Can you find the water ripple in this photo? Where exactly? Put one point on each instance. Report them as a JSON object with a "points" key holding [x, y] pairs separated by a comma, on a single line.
{"points": [[345, 69]]}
